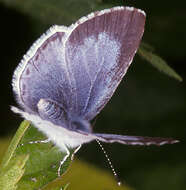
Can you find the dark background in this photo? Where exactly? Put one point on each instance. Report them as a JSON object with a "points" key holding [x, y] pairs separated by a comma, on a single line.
{"points": [[147, 102]]}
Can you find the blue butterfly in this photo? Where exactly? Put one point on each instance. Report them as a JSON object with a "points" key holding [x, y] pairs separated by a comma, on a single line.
{"points": [[70, 73]]}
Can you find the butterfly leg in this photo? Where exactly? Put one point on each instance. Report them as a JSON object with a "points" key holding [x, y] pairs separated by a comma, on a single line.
{"points": [[36, 142], [65, 158], [62, 161], [75, 151]]}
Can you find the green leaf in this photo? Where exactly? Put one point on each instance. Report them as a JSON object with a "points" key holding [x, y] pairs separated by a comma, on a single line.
{"points": [[43, 163], [13, 145], [146, 46], [66, 186], [12, 172], [145, 51], [56, 184], [72, 178]]}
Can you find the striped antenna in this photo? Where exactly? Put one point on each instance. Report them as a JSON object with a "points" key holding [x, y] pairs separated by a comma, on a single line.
{"points": [[109, 162]]}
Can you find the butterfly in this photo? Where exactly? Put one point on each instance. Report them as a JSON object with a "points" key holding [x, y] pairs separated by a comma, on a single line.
{"points": [[70, 73]]}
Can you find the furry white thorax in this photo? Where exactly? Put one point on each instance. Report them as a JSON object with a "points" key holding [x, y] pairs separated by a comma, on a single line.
{"points": [[58, 135]]}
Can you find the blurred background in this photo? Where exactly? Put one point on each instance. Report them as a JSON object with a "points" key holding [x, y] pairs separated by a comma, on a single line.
{"points": [[147, 102]]}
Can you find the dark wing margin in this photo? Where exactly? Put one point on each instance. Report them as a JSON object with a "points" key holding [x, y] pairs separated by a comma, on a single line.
{"points": [[99, 51], [135, 140]]}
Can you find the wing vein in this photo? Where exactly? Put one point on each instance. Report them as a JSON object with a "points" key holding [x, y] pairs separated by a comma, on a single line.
{"points": [[92, 85]]}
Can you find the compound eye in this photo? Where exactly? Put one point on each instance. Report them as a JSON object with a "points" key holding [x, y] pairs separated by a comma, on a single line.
{"points": [[81, 125], [51, 111]]}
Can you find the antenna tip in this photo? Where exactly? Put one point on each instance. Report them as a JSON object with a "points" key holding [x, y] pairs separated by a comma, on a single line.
{"points": [[119, 183]]}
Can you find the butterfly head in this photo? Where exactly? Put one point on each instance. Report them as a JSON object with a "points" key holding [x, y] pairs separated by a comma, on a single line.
{"points": [[81, 125]]}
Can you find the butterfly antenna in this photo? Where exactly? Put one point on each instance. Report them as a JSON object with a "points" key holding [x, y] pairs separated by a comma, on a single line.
{"points": [[109, 162]]}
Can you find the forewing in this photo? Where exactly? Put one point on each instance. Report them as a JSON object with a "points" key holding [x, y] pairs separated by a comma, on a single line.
{"points": [[43, 73], [99, 51], [135, 140]]}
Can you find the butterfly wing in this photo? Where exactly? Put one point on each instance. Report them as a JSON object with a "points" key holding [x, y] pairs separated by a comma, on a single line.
{"points": [[43, 72], [79, 67], [135, 140], [99, 51]]}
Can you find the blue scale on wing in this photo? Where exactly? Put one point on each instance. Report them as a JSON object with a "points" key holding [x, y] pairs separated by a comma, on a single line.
{"points": [[99, 54], [46, 76]]}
